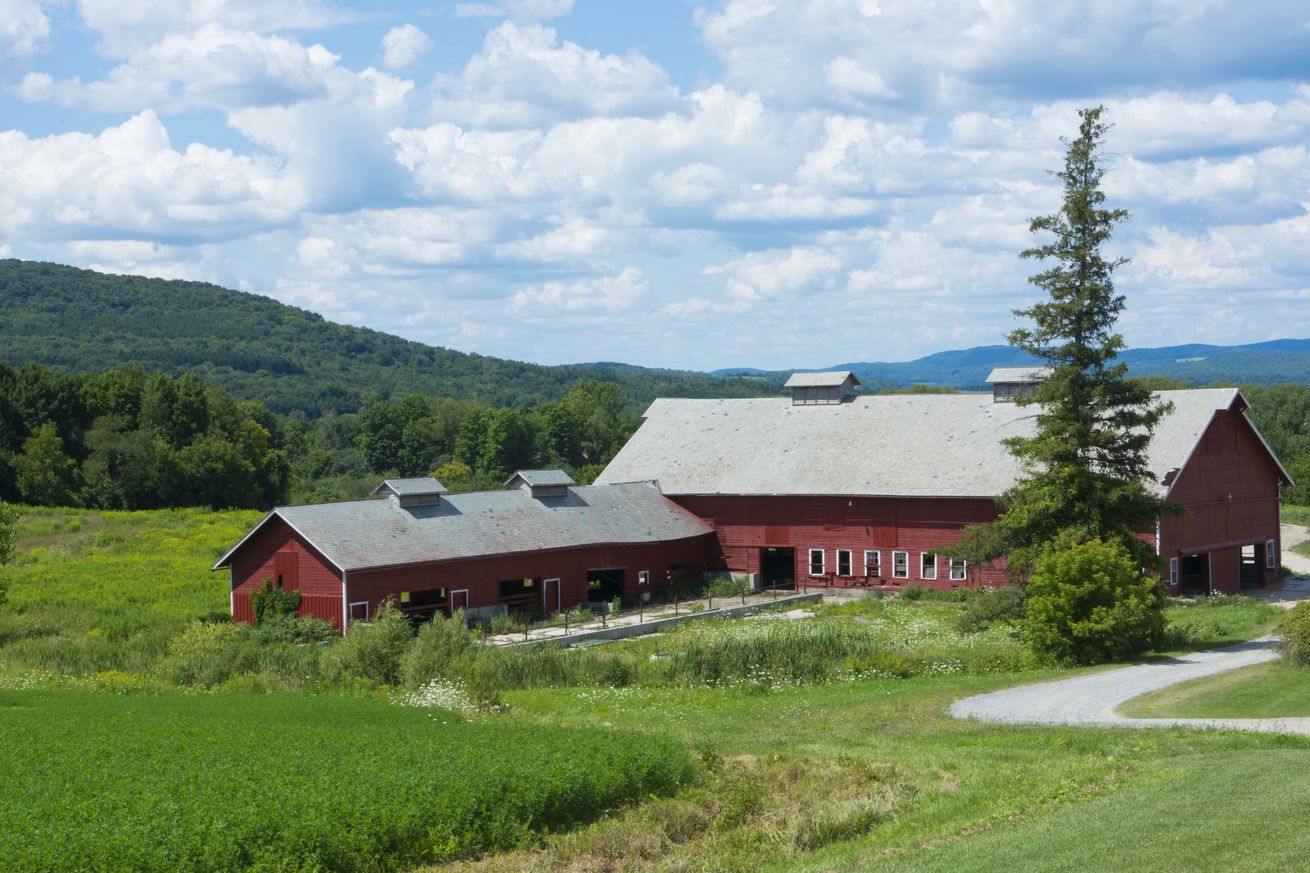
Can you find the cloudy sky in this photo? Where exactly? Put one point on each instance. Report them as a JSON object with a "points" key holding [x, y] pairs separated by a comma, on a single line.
{"points": [[683, 184]]}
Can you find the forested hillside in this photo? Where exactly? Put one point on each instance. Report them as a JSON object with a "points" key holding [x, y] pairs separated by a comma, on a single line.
{"points": [[290, 359]]}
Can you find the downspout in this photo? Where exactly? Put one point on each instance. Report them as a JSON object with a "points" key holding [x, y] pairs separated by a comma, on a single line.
{"points": [[345, 610]]}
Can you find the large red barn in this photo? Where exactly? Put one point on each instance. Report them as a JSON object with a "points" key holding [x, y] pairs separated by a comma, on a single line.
{"points": [[542, 543], [842, 490]]}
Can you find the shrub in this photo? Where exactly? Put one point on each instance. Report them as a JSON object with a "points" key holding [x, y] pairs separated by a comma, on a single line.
{"points": [[729, 586], [269, 602], [991, 606], [912, 592], [281, 628], [439, 644], [370, 651], [1089, 603], [209, 654], [1295, 632]]}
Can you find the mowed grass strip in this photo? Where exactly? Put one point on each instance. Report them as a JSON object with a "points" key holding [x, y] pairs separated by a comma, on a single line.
{"points": [[295, 782], [1276, 689], [1206, 812]]}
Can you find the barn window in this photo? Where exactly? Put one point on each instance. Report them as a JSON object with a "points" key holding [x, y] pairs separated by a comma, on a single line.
{"points": [[1271, 556], [959, 570], [843, 562], [816, 562], [643, 577], [927, 565], [901, 565], [872, 562], [1173, 572], [359, 611]]}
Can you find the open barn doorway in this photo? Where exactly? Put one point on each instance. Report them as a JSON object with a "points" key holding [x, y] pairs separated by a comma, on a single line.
{"points": [[1194, 576], [1250, 573], [778, 567], [604, 585]]}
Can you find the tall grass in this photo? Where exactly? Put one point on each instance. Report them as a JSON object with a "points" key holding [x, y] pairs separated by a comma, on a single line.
{"points": [[96, 591]]}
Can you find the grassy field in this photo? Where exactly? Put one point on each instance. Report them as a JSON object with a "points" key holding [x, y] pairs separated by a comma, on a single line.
{"points": [[295, 782], [820, 744], [96, 591], [1277, 689]]}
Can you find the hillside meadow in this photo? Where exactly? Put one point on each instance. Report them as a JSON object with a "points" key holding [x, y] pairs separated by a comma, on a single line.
{"points": [[818, 743]]}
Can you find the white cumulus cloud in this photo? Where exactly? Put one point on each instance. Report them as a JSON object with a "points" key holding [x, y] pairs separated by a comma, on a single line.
{"points": [[404, 46]]}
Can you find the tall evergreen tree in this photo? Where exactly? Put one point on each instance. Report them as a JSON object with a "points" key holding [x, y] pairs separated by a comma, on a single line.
{"points": [[1086, 466]]}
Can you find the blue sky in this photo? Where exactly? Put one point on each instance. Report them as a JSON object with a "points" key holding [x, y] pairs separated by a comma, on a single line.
{"points": [[679, 184]]}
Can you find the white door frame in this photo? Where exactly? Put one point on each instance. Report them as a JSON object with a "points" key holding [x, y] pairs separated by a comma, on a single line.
{"points": [[545, 594], [455, 591]]}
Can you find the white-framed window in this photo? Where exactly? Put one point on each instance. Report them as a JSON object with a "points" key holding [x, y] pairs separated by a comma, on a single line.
{"points": [[1271, 555], [643, 577], [843, 562], [927, 565], [901, 565], [359, 611], [816, 562], [872, 562], [959, 570], [1173, 572]]}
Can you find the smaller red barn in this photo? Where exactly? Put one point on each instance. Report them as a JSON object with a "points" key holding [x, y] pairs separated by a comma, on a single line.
{"points": [[543, 543]]}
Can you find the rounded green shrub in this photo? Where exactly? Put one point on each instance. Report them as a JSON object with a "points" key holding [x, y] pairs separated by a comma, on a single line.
{"points": [[1089, 603], [370, 651], [1295, 632]]}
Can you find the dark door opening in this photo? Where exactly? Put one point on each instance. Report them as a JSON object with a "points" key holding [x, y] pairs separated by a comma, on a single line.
{"points": [[604, 585], [778, 568], [1191, 575], [1251, 576]]}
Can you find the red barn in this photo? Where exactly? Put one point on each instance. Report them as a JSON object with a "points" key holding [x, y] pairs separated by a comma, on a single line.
{"points": [[867, 491], [541, 544]]}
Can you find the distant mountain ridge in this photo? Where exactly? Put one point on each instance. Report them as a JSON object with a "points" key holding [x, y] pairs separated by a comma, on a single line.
{"points": [[1263, 363], [293, 360]]}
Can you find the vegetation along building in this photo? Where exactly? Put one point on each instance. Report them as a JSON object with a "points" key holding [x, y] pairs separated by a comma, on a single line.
{"points": [[541, 543], [867, 491], [824, 488]]}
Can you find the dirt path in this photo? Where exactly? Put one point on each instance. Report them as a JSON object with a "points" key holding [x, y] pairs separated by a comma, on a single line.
{"points": [[1293, 534], [1093, 699]]}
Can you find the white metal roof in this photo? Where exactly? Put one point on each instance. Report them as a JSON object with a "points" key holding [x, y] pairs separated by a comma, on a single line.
{"points": [[361, 534], [921, 445], [540, 477], [422, 485], [1022, 375], [826, 379]]}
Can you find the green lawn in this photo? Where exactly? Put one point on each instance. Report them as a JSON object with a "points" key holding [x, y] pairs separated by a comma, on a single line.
{"points": [[295, 782], [1276, 689]]}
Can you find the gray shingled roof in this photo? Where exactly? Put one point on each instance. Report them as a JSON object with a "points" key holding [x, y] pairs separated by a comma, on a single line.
{"points": [[411, 487], [359, 534], [1005, 375], [930, 445], [542, 477], [826, 379]]}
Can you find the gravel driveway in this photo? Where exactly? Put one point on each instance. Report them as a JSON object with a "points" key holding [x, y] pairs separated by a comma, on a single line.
{"points": [[1092, 699]]}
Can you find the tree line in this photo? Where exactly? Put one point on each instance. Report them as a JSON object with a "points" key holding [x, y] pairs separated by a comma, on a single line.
{"points": [[127, 439]]}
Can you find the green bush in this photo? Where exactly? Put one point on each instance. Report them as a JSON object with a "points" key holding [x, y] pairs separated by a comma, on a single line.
{"points": [[273, 603], [1294, 630], [1089, 603], [370, 651], [912, 592], [728, 586], [991, 606], [433, 653], [281, 628], [209, 654]]}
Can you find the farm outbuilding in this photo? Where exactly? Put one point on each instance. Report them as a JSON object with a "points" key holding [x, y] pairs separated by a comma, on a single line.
{"points": [[869, 491], [541, 544]]}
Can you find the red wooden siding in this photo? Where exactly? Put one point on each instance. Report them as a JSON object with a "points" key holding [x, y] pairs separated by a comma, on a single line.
{"points": [[274, 549], [481, 576], [745, 524], [1229, 489]]}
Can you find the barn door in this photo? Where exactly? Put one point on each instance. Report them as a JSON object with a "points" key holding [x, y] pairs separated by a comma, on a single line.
{"points": [[550, 599], [459, 599], [286, 574]]}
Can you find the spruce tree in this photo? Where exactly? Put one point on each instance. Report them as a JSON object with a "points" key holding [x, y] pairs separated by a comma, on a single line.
{"points": [[1086, 475]]}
